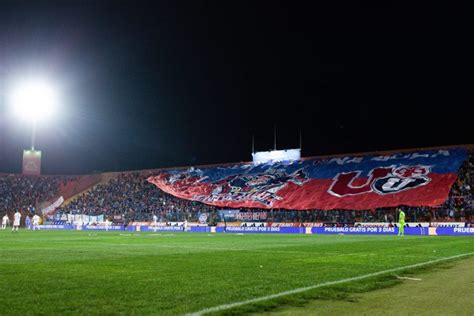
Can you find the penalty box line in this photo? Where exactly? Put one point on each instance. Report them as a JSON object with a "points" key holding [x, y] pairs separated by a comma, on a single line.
{"points": [[312, 287]]}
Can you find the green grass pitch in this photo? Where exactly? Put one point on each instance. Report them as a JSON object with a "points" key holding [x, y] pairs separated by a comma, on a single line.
{"points": [[109, 273]]}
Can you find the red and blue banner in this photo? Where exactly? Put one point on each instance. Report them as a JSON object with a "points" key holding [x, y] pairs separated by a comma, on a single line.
{"points": [[353, 183]]}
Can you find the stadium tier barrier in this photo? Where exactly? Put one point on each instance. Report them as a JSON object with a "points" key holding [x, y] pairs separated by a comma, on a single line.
{"points": [[368, 230]]}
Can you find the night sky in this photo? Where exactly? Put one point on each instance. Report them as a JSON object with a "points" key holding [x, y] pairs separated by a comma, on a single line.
{"points": [[169, 83]]}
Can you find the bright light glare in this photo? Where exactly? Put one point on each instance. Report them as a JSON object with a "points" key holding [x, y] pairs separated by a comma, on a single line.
{"points": [[34, 100]]}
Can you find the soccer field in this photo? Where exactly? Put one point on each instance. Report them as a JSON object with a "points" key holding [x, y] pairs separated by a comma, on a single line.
{"points": [[79, 272]]}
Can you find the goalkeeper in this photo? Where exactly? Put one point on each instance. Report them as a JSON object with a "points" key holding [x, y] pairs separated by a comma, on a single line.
{"points": [[401, 222]]}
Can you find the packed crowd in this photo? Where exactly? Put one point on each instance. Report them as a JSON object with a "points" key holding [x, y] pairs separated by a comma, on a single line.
{"points": [[23, 193], [136, 199]]}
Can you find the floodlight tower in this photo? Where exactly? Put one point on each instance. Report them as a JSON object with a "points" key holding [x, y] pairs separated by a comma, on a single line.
{"points": [[33, 101]]}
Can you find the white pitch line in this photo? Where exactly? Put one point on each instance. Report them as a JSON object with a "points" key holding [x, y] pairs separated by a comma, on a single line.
{"points": [[324, 284], [407, 278]]}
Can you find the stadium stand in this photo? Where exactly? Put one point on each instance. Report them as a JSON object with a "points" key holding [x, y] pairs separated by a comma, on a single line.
{"points": [[138, 200], [23, 193], [129, 197]]}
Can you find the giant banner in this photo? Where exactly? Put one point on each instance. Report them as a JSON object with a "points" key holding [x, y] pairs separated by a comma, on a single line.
{"points": [[353, 183], [53, 206]]}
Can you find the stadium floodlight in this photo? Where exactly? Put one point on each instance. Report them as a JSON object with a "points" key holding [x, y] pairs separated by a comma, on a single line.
{"points": [[33, 101]]}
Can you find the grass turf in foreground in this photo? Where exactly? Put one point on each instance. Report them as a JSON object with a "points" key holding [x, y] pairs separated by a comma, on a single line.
{"points": [[70, 272], [438, 291]]}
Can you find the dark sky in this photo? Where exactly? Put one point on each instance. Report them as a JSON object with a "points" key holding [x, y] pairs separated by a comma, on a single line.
{"points": [[171, 83]]}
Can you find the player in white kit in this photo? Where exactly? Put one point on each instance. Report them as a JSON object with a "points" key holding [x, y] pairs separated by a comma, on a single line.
{"points": [[16, 221], [155, 219], [35, 221], [5, 221], [107, 224]]}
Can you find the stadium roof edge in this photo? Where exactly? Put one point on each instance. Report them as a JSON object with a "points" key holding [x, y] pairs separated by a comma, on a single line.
{"points": [[388, 152], [382, 152]]}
